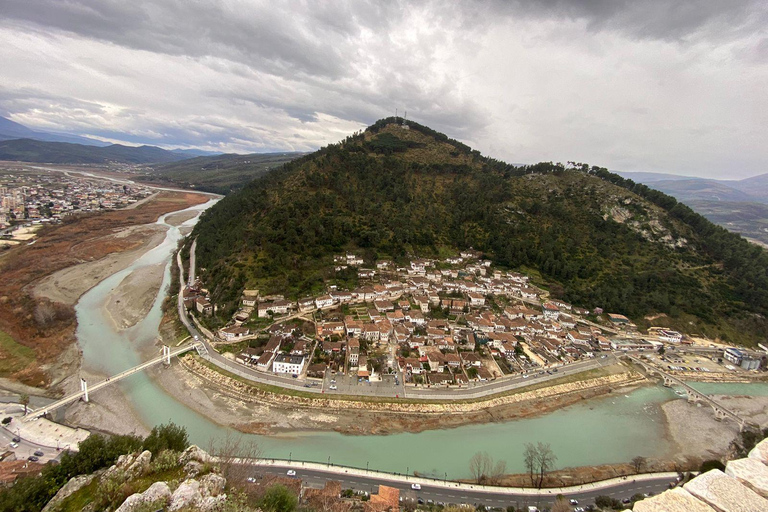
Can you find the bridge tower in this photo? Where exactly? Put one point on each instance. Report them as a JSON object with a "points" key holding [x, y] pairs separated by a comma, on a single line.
{"points": [[84, 389], [166, 355]]}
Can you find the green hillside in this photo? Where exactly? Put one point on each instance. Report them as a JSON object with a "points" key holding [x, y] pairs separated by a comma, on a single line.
{"points": [[219, 174], [595, 238]]}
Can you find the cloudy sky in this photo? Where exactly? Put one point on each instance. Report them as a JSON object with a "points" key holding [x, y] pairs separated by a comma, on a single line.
{"points": [[657, 85]]}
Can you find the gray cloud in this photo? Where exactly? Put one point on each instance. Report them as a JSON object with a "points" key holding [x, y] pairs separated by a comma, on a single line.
{"points": [[659, 85]]}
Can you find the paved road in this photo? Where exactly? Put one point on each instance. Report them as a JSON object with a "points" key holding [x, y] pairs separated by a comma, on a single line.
{"points": [[192, 264], [441, 493]]}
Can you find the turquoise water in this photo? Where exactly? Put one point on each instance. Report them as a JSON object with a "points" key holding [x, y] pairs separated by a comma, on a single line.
{"points": [[612, 429]]}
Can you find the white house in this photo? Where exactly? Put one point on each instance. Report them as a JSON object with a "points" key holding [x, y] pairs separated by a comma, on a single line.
{"points": [[233, 333], [324, 301], [286, 363]]}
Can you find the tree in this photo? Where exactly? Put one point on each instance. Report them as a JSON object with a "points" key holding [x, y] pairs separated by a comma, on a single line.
{"points": [[561, 505], [231, 451], [538, 459], [545, 460], [480, 466], [529, 457], [24, 400], [167, 436], [638, 463], [661, 350], [278, 498]]}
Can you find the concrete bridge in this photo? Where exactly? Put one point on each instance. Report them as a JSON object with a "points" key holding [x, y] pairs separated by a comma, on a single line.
{"points": [[86, 390], [694, 396]]}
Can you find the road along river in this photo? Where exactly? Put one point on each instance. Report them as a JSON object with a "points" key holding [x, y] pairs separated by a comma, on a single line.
{"points": [[612, 429]]}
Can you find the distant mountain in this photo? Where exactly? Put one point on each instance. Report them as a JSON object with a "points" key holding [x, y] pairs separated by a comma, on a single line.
{"points": [[694, 189], [28, 150], [756, 186], [685, 188], [587, 235], [220, 174], [192, 153], [650, 177], [10, 130]]}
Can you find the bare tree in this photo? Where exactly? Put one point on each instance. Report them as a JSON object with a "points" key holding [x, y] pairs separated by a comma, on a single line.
{"points": [[638, 463], [538, 459], [529, 455], [499, 470], [561, 505], [545, 460], [234, 452], [44, 313], [480, 466]]}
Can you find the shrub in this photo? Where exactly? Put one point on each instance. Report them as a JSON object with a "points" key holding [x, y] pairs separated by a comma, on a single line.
{"points": [[278, 498], [165, 460], [167, 436]]}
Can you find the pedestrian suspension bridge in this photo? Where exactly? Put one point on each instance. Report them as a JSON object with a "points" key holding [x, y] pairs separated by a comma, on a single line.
{"points": [[86, 390]]}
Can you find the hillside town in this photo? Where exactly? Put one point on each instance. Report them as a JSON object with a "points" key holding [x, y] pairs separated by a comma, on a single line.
{"points": [[432, 323], [31, 197]]}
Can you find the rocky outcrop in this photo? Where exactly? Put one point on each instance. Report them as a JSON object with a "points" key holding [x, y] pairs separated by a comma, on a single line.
{"points": [[158, 493], [186, 495], [195, 453], [742, 488], [75, 484], [140, 464], [212, 484]]}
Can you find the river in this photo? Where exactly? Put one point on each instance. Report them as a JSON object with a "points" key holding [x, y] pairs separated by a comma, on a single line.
{"points": [[611, 429]]}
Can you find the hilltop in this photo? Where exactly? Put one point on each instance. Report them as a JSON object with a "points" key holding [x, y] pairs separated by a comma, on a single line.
{"points": [[588, 236]]}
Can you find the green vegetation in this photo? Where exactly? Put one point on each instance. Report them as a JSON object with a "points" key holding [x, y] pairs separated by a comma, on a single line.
{"points": [[13, 355], [592, 238], [278, 498], [219, 174], [97, 452]]}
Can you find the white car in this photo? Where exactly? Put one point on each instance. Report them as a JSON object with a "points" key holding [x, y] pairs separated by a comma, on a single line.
{"points": [[251, 479], [332, 387], [14, 445], [416, 487], [291, 472]]}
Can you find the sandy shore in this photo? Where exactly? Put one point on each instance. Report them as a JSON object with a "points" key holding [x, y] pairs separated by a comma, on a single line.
{"points": [[696, 432], [108, 411], [67, 285], [131, 300], [177, 219]]}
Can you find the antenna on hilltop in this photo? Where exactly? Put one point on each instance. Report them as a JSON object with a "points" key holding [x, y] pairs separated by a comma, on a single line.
{"points": [[405, 121]]}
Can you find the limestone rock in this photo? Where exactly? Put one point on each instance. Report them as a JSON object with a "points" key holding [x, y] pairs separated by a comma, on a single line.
{"points": [[212, 503], [760, 452], [193, 468], [751, 472], [212, 484], [158, 492], [140, 464], [186, 495], [75, 484], [725, 493], [675, 500], [194, 452]]}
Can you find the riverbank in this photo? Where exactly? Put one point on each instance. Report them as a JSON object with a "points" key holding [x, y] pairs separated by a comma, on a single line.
{"points": [[43, 319], [699, 436], [237, 404]]}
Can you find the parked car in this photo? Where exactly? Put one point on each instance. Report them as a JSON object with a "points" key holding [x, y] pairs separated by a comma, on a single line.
{"points": [[332, 387], [14, 445], [251, 479], [291, 472], [416, 487], [32, 458], [38, 453], [16, 440], [574, 502]]}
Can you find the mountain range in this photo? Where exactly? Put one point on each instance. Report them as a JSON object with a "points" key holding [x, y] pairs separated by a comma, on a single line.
{"points": [[586, 235], [11, 131], [684, 188]]}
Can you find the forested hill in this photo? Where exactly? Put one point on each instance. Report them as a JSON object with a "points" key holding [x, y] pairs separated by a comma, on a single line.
{"points": [[28, 150], [589, 236]]}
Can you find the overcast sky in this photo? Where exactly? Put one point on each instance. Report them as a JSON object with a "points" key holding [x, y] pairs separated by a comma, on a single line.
{"points": [[663, 86]]}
